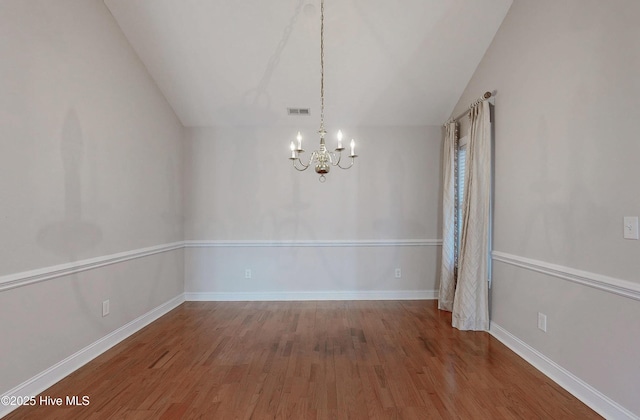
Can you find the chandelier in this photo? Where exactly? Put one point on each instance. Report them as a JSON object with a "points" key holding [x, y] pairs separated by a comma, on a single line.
{"points": [[322, 158]]}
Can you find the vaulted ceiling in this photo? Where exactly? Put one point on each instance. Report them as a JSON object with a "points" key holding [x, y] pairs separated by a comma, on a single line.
{"points": [[243, 62]]}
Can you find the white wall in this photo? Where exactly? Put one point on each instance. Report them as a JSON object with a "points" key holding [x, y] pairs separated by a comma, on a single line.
{"points": [[566, 171], [91, 165], [241, 187]]}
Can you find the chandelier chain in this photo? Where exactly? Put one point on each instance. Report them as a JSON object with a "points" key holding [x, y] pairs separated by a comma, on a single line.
{"points": [[322, 66]]}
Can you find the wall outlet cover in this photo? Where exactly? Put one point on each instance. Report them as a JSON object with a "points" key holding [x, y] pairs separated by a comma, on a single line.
{"points": [[630, 227], [542, 321]]}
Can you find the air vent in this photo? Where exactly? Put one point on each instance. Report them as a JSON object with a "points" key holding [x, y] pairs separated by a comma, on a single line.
{"points": [[298, 111]]}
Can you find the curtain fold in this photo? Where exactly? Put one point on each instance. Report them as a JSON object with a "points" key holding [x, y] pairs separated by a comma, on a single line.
{"points": [[447, 270], [471, 298]]}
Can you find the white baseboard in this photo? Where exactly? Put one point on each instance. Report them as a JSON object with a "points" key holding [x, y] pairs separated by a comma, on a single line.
{"points": [[599, 402], [60, 370], [320, 295], [313, 244]]}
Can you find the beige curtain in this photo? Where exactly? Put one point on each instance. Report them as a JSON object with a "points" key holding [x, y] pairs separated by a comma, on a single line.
{"points": [[447, 279], [471, 299]]}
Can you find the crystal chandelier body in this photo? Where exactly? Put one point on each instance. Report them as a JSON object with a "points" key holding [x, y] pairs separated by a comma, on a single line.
{"points": [[322, 159]]}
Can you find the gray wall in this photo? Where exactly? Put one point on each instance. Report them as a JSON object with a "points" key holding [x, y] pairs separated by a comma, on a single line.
{"points": [[91, 164], [566, 171], [240, 186]]}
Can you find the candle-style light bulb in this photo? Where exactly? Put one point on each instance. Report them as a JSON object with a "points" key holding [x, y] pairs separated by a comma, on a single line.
{"points": [[339, 139], [293, 150], [353, 147], [299, 137]]}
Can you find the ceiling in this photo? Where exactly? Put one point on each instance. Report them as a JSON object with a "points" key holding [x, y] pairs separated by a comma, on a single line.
{"points": [[230, 62]]}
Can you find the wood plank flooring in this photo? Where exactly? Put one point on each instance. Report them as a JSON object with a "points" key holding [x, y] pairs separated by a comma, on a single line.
{"points": [[309, 360]]}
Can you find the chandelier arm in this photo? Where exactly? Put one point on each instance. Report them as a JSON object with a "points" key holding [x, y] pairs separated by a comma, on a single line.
{"points": [[312, 158], [332, 158], [347, 167], [304, 167], [335, 158]]}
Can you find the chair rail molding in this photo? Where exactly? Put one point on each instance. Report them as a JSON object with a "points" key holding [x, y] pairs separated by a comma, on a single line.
{"points": [[11, 281], [619, 287], [24, 278]]}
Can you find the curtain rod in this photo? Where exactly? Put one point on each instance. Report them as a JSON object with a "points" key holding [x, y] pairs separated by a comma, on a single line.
{"points": [[483, 98]]}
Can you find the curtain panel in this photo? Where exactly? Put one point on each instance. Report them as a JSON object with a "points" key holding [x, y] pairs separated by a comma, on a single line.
{"points": [[447, 271], [471, 297]]}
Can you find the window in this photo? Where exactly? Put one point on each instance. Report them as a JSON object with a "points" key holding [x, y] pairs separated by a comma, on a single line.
{"points": [[461, 171]]}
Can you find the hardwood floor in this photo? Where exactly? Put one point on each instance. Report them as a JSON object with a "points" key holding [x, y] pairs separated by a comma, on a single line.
{"points": [[308, 360]]}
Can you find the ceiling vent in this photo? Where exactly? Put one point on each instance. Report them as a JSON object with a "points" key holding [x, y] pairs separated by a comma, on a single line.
{"points": [[298, 111]]}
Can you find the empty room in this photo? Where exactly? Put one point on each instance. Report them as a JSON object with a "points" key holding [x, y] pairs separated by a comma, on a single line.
{"points": [[313, 209]]}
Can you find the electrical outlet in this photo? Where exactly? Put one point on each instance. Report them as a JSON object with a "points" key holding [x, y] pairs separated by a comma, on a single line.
{"points": [[398, 273], [542, 321], [630, 227], [247, 273], [105, 308]]}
